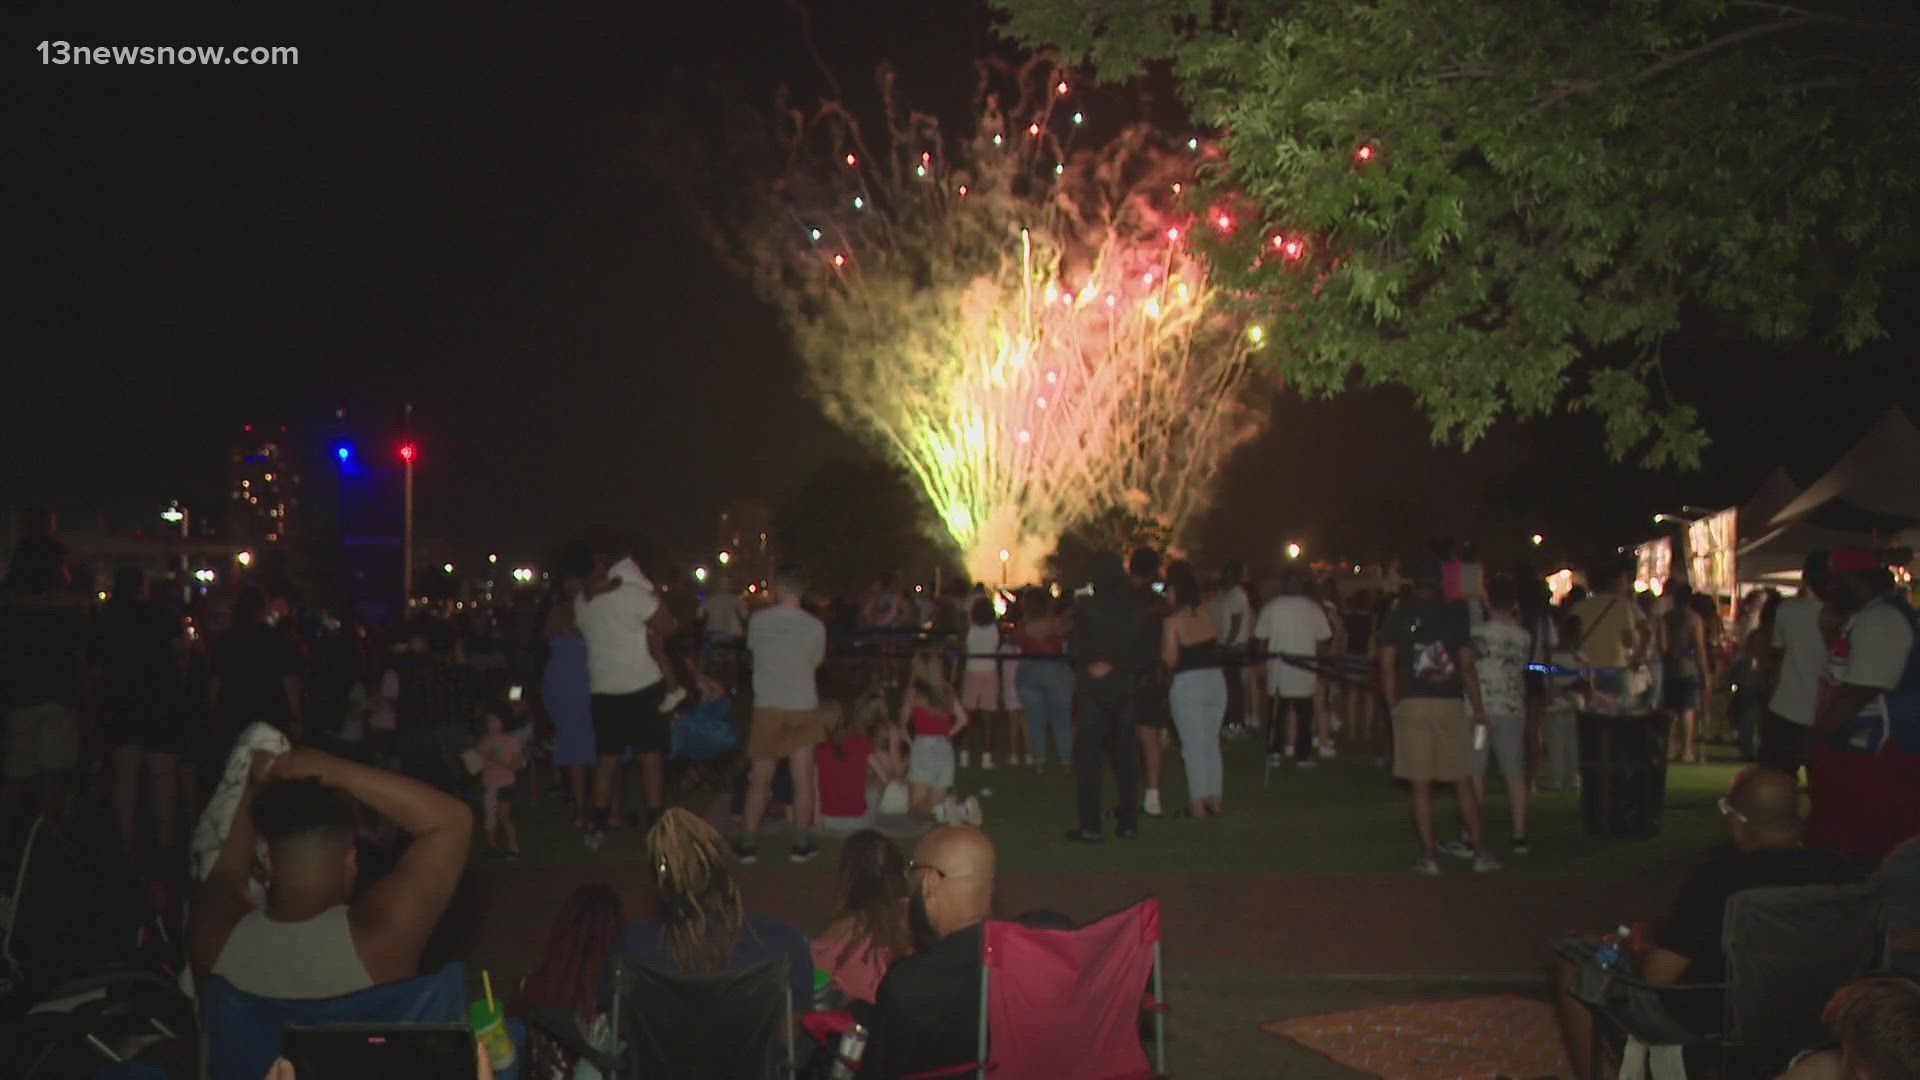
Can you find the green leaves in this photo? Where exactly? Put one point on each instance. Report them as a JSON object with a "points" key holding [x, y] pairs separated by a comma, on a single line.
{"points": [[1546, 193]]}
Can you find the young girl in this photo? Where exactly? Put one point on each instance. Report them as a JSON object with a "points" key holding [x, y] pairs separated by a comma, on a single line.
{"points": [[933, 713], [499, 754], [566, 984], [869, 929], [980, 686], [841, 764]]}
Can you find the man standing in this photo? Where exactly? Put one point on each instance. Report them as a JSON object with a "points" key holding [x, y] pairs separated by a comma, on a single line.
{"points": [[1151, 714], [43, 629], [1871, 654], [787, 643], [1501, 648], [1108, 630], [1291, 624], [614, 613], [723, 618], [1426, 668], [1614, 635], [1800, 654], [927, 1016], [1233, 616]]}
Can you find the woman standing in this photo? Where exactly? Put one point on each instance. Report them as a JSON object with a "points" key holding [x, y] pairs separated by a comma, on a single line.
{"points": [[138, 653], [1190, 647], [1684, 659], [564, 694], [1044, 680]]}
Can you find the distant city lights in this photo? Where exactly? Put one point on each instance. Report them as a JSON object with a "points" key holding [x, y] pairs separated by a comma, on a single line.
{"points": [[493, 560], [1537, 539], [700, 574], [204, 576], [1293, 551], [447, 567], [245, 558], [343, 452], [725, 557], [523, 574]]}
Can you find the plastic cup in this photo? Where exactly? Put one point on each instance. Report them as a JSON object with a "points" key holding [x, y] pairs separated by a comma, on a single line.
{"points": [[490, 1029]]}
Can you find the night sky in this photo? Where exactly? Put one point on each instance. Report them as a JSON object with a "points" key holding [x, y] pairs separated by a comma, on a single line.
{"points": [[458, 213]]}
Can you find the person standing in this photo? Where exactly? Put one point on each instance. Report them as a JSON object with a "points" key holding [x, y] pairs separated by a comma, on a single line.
{"points": [[1873, 650], [1426, 670], [787, 644], [1232, 613], [980, 683], [43, 626], [1292, 628], [1687, 662], [1108, 630], [566, 694], [1501, 650], [1150, 705], [1615, 636], [256, 672], [723, 630], [1799, 655], [1043, 680], [138, 651], [614, 613], [1190, 648]]}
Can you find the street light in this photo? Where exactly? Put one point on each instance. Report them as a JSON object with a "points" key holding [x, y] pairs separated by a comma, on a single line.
{"points": [[493, 560], [1293, 551], [408, 452], [726, 557], [448, 567], [700, 573], [245, 558], [1537, 539]]}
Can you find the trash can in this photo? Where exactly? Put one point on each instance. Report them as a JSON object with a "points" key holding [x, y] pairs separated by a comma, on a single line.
{"points": [[1623, 773]]}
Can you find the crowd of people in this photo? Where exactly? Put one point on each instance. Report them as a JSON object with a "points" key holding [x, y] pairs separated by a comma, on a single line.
{"points": [[855, 712]]}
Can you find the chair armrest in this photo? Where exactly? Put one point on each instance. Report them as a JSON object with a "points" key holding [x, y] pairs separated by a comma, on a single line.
{"points": [[562, 1026], [1149, 1004]]}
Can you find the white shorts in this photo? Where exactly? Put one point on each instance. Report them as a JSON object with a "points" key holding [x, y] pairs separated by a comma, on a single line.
{"points": [[930, 762]]}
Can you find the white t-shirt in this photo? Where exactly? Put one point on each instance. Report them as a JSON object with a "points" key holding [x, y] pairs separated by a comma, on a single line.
{"points": [[982, 642], [1296, 625], [1226, 608], [726, 616], [1500, 657], [1796, 630], [614, 625], [787, 644], [1878, 640]]}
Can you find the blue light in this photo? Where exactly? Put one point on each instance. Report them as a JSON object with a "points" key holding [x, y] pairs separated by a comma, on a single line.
{"points": [[343, 452]]}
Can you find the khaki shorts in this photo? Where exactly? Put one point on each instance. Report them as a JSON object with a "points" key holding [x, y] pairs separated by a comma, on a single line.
{"points": [[43, 738], [1432, 740], [776, 733]]}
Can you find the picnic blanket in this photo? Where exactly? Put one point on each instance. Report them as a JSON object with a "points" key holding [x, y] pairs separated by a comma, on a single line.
{"points": [[1488, 1037]]}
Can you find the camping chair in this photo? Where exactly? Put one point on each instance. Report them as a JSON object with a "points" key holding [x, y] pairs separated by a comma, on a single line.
{"points": [[1788, 950], [734, 1025], [240, 1033], [1066, 1004]]}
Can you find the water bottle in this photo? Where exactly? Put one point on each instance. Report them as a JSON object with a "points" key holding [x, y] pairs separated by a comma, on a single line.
{"points": [[853, 1046]]}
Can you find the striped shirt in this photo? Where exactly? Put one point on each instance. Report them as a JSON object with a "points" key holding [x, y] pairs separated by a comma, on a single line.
{"points": [[787, 645]]}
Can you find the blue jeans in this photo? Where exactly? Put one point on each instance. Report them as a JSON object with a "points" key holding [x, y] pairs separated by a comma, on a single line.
{"points": [[1198, 700], [1045, 689]]}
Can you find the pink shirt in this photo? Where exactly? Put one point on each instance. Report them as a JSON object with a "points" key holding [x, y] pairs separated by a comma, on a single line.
{"points": [[499, 760]]}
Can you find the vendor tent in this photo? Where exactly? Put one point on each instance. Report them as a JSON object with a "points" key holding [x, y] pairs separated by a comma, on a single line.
{"points": [[1756, 514], [1870, 490]]}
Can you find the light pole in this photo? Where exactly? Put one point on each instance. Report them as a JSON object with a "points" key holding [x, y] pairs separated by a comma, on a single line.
{"points": [[408, 452]]}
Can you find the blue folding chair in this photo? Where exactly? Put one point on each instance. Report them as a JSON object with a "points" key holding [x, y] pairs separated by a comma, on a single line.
{"points": [[240, 1033]]}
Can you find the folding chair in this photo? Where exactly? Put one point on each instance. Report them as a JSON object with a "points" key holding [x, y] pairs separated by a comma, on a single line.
{"points": [[240, 1032], [1788, 950], [735, 1025], [1066, 1004]]}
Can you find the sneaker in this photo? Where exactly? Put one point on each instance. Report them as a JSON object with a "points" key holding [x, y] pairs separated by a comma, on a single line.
{"points": [[970, 812], [1288, 751], [1485, 864], [1327, 750], [940, 812], [966, 758], [1150, 806], [1459, 849], [986, 761], [803, 851], [594, 838], [1425, 866], [673, 699], [1084, 836], [1233, 731], [1306, 763], [745, 853], [1274, 761], [1521, 847]]}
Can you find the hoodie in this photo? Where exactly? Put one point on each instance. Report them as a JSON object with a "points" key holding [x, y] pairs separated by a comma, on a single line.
{"points": [[1111, 625]]}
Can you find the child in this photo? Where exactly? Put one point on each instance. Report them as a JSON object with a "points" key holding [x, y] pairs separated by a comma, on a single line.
{"points": [[980, 685], [499, 759], [841, 765], [564, 989], [933, 713]]}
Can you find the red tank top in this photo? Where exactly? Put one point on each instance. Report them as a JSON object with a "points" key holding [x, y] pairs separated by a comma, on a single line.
{"points": [[927, 722]]}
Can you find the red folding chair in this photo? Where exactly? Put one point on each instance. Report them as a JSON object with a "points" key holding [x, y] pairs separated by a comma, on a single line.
{"points": [[1066, 1004]]}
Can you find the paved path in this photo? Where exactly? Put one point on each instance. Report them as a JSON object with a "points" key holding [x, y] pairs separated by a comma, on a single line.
{"points": [[1299, 925]]}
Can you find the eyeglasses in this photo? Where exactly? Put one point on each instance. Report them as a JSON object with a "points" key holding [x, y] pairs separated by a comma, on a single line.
{"points": [[1727, 810]]}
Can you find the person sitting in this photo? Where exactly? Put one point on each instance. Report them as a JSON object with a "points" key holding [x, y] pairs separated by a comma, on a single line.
{"points": [[313, 939], [703, 927], [841, 763], [561, 993], [926, 1013], [869, 928], [1762, 812], [1877, 1023]]}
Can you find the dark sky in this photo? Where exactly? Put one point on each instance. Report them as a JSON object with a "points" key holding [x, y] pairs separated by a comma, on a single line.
{"points": [[454, 211]]}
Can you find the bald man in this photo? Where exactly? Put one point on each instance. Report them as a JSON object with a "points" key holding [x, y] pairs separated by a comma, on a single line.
{"points": [[1762, 812], [927, 1015]]}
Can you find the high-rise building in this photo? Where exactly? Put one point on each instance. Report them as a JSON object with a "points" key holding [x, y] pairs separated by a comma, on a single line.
{"points": [[266, 484]]}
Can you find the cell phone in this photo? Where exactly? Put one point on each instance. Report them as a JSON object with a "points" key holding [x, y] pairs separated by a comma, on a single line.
{"points": [[513, 693], [360, 1051]]}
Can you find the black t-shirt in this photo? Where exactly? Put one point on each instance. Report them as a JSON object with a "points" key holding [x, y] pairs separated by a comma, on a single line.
{"points": [[928, 1013], [1693, 928], [1428, 638], [134, 647]]}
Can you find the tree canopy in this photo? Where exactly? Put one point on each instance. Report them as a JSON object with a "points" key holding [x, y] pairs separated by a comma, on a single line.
{"points": [[1508, 208]]}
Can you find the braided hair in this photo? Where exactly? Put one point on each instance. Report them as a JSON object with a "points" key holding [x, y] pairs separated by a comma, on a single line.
{"points": [[700, 906], [869, 897], [578, 944]]}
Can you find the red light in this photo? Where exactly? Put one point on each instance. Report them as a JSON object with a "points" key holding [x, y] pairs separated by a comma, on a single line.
{"points": [[1173, 234], [925, 157], [839, 260], [1033, 129], [1177, 188], [963, 191], [408, 452], [1294, 249], [1364, 154], [1060, 87], [1224, 222], [248, 428], [1279, 241], [852, 160]]}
